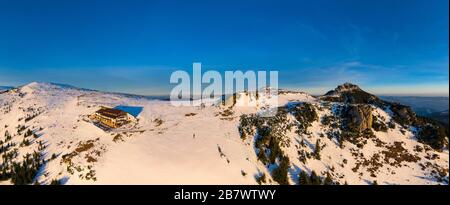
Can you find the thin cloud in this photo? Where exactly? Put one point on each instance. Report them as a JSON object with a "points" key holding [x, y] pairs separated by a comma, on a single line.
{"points": [[368, 75]]}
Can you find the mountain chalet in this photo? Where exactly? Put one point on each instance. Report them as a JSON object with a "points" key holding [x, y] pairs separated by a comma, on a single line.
{"points": [[112, 118]]}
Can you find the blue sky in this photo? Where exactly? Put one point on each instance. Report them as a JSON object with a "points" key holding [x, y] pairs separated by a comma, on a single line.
{"points": [[385, 46]]}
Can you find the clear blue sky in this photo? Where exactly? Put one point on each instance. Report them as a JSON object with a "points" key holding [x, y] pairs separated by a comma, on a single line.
{"points": [[386, 46]]}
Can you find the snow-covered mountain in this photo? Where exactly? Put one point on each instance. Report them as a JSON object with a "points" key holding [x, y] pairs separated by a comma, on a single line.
{"points": [[346, 136]]}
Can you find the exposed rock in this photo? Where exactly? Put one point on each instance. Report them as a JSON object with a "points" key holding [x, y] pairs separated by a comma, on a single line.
{"points": [[379, 125], [346, 87], [357, 118], [403, 114], [432, 133], [350, 93]]}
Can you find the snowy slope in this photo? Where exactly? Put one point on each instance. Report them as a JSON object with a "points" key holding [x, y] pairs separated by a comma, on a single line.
{"points": [[184, 145]]}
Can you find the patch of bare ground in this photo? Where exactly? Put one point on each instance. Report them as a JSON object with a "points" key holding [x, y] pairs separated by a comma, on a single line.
{"points": [[226, 114], [118, 138], [395, 154], [372, 165], [90, 159], [418, 148], [437, 172], [432, 156], [378, 142], [84, 146], [91, 156], [158, 122]]}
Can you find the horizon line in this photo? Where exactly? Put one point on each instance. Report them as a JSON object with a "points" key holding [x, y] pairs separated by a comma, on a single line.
{"points": [[298, 89]]}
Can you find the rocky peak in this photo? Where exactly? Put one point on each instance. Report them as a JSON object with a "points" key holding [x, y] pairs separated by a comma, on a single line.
{"points": [[350, 93], [346, 87]]}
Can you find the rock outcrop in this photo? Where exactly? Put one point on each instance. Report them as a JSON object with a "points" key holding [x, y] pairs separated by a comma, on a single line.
{"points": [[350, 93], [357, 118], [346, 87], [403, 115]]}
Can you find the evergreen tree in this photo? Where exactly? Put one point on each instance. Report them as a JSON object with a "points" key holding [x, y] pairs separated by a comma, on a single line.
{"points": [[341, 140], [315, 180], [23, 173], [55, 182], [25, 142], [328, 180], [303, 178], [261, 179], [280, 174], [275, 150], [317, 150], [262, 156], [7, 136], [302, 156], [302, 143], [28, 133], [20, 128]]}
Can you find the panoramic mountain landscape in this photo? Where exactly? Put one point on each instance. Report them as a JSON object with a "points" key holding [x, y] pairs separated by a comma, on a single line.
{"points": [[243, 96], [60, 134]]}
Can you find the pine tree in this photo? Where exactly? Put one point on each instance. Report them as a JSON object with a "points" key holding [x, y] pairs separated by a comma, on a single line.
{"points": [[280, 174], [261, 179], [302, 156], [303, 178], [20, 128], [315, 180], [317, 150], [55, 182], [275, 150], [341, 140], [328, 180], [28, 133], [25, 142], [7, 136], [262, 156], [53, 156], [302, 143]]}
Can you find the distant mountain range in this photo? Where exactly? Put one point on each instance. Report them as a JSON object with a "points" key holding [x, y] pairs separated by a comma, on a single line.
{"points": [[4, 88], [440, 116], [421, 105], [432, 107]]}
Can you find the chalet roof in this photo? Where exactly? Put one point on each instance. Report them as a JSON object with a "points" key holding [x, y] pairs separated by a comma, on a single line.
{"points": [[111, 113]]}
